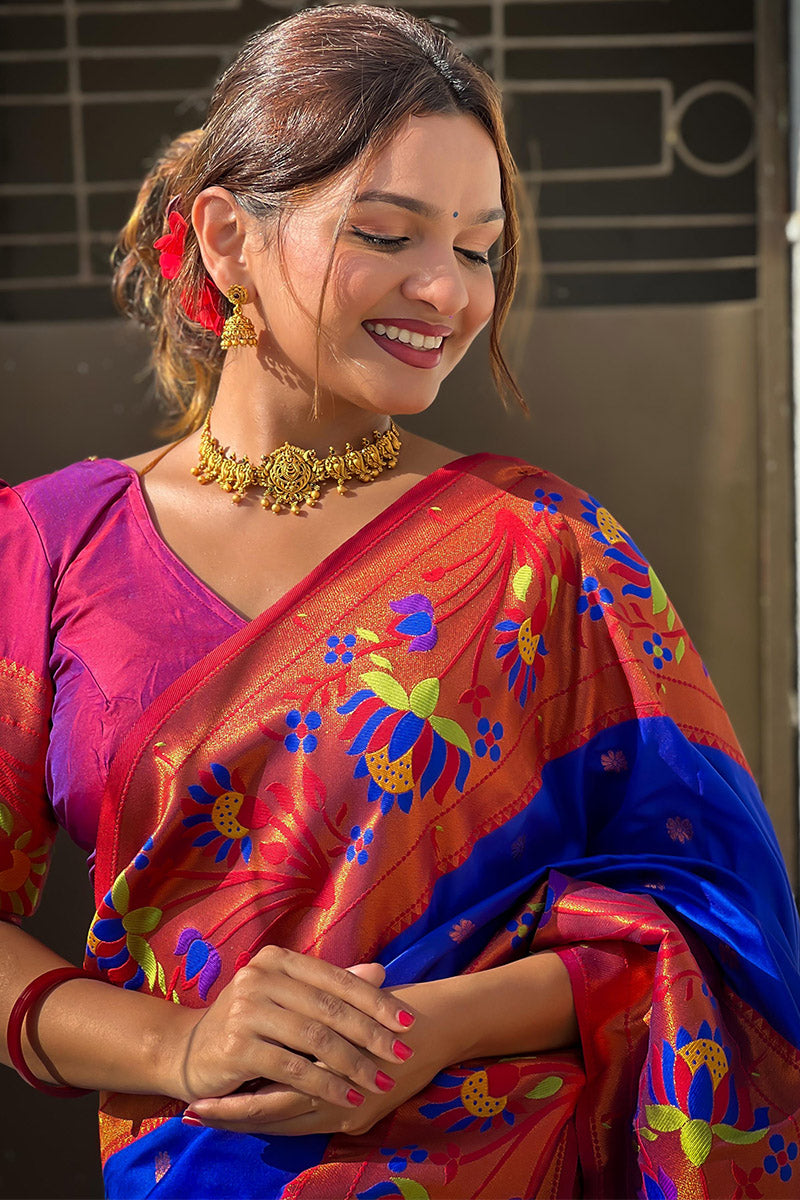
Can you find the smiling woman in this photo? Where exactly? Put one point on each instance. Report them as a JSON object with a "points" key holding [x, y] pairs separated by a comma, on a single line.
{"points": [[420, 839]]}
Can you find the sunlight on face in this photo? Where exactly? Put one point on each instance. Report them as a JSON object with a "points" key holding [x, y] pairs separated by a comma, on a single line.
{"points": [[410, 286]]}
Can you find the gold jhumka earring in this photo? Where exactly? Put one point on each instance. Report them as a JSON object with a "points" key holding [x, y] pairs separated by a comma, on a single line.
{"points": [[238, 329]]}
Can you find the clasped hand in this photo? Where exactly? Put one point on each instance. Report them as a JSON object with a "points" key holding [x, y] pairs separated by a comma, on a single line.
{"points": [[296, 1045]]}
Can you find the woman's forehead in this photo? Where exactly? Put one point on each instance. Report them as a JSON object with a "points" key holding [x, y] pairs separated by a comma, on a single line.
{"points": [[437, 160]]}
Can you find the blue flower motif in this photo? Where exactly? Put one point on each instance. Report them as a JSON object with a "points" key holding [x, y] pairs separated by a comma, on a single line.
{"points": [[546, 500], [340, 648], [520, 929], [487, 743], [781, 1159], [418, 623], [658, 651], [360, 839], [594, 598], [141, 861], [399, 1161], [301, 737]]}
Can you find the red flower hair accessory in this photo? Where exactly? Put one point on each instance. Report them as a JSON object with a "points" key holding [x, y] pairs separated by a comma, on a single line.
{"points": [[206, 310]]}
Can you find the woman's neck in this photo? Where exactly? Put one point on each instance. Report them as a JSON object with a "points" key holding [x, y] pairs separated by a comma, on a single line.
{"points": [[256, 410]]}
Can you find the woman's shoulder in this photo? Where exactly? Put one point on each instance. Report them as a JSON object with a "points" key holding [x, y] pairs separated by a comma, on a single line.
{"points": [[530, 486], [63, 507]]}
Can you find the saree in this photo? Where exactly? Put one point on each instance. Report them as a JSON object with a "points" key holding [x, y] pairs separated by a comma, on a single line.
{"points": [[477, 730]]}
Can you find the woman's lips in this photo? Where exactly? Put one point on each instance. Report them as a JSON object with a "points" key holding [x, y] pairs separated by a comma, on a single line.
{"points": [[415, 356]]}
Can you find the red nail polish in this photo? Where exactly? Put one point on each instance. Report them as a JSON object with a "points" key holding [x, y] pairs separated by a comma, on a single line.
{"points": [[402, 1051], [405, 1018], [355, 1097], [384, 1082], [190, 1119]]}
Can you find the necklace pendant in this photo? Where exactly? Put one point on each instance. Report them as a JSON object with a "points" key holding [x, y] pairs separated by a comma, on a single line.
{"points": [[291, 476]]}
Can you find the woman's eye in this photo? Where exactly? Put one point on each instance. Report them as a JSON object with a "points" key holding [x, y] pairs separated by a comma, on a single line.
{"points": [[474, 256], [394, 243], [372, 239]]}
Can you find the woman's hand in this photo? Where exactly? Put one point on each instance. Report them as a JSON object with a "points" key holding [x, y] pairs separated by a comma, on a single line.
{"points": [[328, 1033], [279, 1110]]}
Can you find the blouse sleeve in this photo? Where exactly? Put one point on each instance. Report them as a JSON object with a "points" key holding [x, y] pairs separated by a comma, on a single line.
{"points": [[27, 823]]}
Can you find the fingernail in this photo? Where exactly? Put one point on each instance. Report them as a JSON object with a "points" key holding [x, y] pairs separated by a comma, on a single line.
{"points": [[401, 1049], [355, 1097], [384, 1082], [405, 1018], [189, 1118]]}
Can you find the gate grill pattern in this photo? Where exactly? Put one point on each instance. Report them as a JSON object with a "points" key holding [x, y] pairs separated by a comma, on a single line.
{"points": [[632, 122]]}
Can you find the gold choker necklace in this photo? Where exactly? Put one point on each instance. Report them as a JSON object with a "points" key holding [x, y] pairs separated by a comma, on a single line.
{"points": [[292, 476]]}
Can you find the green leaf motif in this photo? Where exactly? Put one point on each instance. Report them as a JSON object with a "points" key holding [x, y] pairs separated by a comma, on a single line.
{"points": [[144, 956], [546, 1087], [680, 650], [648, 1133], [554, 585], [120, 894], [452, 732], [739, 1137], [696, 1141], [380, 661], [424, 697], [671, 618], [6, 820], [410, 1189], [387, 689], [162, 980], [141, 920], [659, 595], [665, 1117], [367, 635], [521, 582]]}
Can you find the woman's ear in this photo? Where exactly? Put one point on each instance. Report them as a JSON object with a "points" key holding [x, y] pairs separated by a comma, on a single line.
{"points": [[220, 227]]}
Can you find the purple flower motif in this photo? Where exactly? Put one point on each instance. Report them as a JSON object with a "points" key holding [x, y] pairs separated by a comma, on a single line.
{"points": [[662, 1188], [417, 623], [203, 963], [301, 737], [594, 598]]}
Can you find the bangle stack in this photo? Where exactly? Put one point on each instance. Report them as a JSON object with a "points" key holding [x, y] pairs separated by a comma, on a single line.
{"points": [[36, 990]]}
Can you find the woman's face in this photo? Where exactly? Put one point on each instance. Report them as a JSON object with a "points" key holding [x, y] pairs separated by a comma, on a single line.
{"points": [[410, 286]]}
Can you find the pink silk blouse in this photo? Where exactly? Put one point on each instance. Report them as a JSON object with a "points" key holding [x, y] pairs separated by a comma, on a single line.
{"points": [[93, 596]]}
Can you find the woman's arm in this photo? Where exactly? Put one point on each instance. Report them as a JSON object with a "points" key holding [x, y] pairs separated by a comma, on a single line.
{"points": [[520, 1008], [278, 1010], [89, 1033]]}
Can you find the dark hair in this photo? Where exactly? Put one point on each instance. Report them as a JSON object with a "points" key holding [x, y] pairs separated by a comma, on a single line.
{"points": [[304, 99]]}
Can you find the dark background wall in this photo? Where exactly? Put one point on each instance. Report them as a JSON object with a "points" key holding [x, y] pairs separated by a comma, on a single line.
{"points": [[646, 133]]}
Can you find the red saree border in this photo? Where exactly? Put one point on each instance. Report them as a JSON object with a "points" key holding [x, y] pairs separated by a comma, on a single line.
{"points": [[386, 522]]}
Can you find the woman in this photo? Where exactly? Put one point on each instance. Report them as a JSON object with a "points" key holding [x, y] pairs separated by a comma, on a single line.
{"points": [[423, 844]]}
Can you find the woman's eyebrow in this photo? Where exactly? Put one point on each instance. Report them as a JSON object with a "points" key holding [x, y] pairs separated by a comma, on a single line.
{"points": [[423, 209]]}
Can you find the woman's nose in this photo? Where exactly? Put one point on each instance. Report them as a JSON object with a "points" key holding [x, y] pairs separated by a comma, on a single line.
{"points": [[440, 284]]}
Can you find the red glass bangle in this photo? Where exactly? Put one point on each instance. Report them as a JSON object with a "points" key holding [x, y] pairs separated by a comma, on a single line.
{"points": [[33, 993]]}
